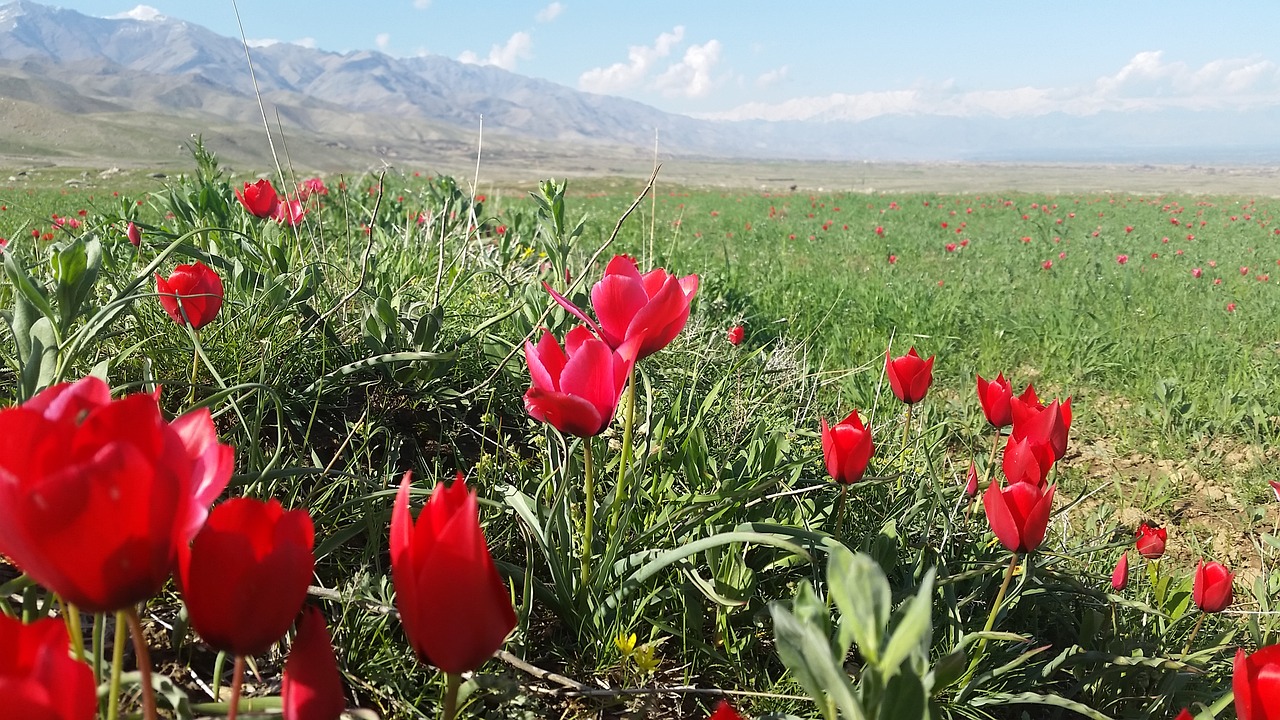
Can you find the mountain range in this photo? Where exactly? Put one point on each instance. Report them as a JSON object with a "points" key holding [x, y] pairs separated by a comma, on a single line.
{"points": [[74, 86]]}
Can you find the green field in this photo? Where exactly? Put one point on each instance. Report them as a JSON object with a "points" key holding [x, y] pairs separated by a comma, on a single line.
{"points": [[386, 335]]}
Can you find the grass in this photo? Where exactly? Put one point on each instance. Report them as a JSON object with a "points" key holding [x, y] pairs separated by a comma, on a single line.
{"points": [[369, 344]]}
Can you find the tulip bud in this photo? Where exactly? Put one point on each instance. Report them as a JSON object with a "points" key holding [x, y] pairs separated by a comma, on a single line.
{"points": [[725, 711], [909, 376], [311, 687], [1018, 514], [971, 485], [134, 235], [1211, 589], [192, 293], [1150, 541], [994, 397], [1120, 576], [736, 333], [846, 448]]}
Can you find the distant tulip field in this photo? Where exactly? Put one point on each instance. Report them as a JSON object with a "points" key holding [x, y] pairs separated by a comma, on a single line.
{"points": [[389, 445]]}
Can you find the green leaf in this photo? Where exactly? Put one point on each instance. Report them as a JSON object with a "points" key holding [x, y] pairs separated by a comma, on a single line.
{"points": [[1037, 699], [42, 363], [914, 632], [904, 698], [861, 592], [806, 652]]}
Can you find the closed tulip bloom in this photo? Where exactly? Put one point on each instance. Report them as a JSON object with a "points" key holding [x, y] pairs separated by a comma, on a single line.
{"points": [[289, 212], [455, 608], [1211, 589], [1027, 460], [1048, 424], [39, 680], [311, 687], [1120, 576], [994, 397], [192, 292], [909, 376], [134, 235], [971, 482], [652, 307], [245, 576], [97, 495], [1018, 514], [846, 448], [725, 711], [1150, 541], [577, 389], [1185, 715], [1256, 682], [1275, 488], [259, 198], [736, 334]]}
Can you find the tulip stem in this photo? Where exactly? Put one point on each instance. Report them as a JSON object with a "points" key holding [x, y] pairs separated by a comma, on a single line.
{"points": [[995, 609], [117, 661], [452, 682], [99, 637], [1194, 631], [906, 428], [628, 423], [195, 366], [844, 493], [588, 511], [143, 654], [991, 461], [237, 679], [75, 630]]}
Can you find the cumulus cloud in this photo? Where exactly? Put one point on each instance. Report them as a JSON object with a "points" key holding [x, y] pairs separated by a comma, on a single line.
{"points": [[1147, 82], [550, 12], [141, 12], [517, 47], [640, 60], [306, 42], [691, 77], [773, 77], [383, 41], [422, 4]]}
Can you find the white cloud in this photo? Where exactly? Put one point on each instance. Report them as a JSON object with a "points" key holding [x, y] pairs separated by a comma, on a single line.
{"points": [[422, 4], [306, 42], [691, 77], [1147, 82], [550, 12], [383, 41], [640, 58], [518, 47], [773, 77], [141, 12]]}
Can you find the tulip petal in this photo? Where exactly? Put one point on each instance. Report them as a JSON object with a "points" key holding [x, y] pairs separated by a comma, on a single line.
{"points": [[403, 564], [1000, 518], [661, 320], [569, 414], [574, 310], [589, 375], [617, 299], [71, 401], [311, 686]]}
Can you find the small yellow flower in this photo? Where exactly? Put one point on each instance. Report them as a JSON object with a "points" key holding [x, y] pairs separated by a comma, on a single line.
{"points": [[646, 659], [626, 644]]}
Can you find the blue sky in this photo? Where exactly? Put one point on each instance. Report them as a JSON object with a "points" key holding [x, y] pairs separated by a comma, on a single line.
{"points": [[801, 60]]}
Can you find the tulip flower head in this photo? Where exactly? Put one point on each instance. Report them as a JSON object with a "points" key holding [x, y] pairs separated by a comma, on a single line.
{"points": [[1185, 715], [1275, 488], [289, 212], [971, 482], [909, 376], [258, 198], [192, 293], [1048, 425], [725, 711], [1018, 514], [994, 397], [736, 333], [652, 307], [846, 448], [38, 676], [1211, 589], [1150, 541], [245, 576], [1120, 576], [1027, 460], [1256, 682], [576, 389], [453, 605], [98, 494], [311, 186], [134, 234], [311, 687]]}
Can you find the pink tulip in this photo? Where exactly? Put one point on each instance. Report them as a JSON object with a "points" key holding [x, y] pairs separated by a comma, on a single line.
{"points": [[577, 389]]}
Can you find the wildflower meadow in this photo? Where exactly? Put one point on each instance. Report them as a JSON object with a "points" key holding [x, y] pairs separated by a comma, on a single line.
{"points": [[402, 445]]}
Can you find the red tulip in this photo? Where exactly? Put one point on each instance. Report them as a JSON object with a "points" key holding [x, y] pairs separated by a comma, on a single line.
{"points": [[1275, 488], [134, 235], [1256, 682], [97, 495], [736, 333], [1018, 513], [846, 448], [38, 677], [1150, 541], [1185, 715], [1211, 590], [576, 392], [971, 482], [653, 307], [1027, 460], [725, 711], [1120, 576], [909, 376], [197, 289], [244, 577], [311, 688], [258, 198], [453, 605], [994, 397], [311, 186], [1048, 425], [289, 212]]}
